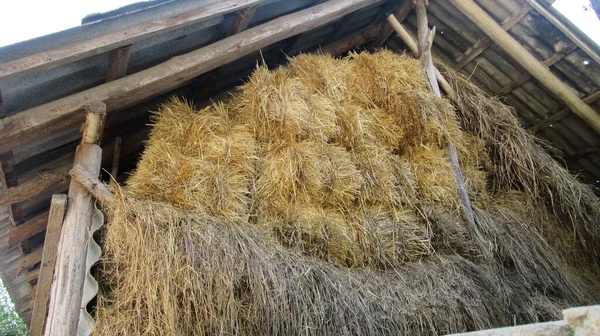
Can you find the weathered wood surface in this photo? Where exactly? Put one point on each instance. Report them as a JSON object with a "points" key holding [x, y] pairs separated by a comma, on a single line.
{"points": [[352, 41], [118, 62], [69, 274], [60, 114], [58, 207], [485, 42], [98, 45], [28, 229], [538, 70], [33, 187], [92, 184]]}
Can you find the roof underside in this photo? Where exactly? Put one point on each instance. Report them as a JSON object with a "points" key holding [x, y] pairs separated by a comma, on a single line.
{"points": [[493, 70]]}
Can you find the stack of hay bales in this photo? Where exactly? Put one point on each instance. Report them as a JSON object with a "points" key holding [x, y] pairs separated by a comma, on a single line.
{"points": [[320, 200]]}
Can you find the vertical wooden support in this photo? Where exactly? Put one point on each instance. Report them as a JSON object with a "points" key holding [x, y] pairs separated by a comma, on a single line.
{"points": [[46, 271], [69, 275], [425, 41], [114, 171], [538, 70], [118, 62]]}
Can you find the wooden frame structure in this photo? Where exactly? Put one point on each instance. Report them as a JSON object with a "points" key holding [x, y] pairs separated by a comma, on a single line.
{"points": [[488, 40]]}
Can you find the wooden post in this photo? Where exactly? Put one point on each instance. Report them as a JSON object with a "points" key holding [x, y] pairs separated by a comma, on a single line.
{"points": [[118, 62], [425, 41], [540, 72], [114, 171], [46, 271], [69, 276]]}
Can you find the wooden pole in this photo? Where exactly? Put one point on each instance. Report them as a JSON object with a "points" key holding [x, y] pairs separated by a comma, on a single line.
{"points": [[46, 271], [69, 276], [503, 39], [425, 41], [92, 184], [412, 45], [114, 172]]}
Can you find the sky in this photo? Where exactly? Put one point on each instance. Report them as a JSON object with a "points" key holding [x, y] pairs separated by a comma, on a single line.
{"points": [[581, 13], [26, 19]]}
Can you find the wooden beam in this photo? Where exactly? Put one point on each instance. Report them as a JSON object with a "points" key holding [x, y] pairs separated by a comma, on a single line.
{"points": [[561, 114], [92, 184], [40, 121], [118, 61], [98, 45], [483, 43], [114, 171], [240, 23], [33, 275], [35, 186], [69, 274], [341, 26], [526, 76], [29, 260], [28, 229], [388, 30], [570, 30], [58, 206], [539, 71]]}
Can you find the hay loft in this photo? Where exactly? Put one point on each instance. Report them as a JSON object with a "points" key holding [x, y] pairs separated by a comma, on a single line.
{"points": [[317, 200]]}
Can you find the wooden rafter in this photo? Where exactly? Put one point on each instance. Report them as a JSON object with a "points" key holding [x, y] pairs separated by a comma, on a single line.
{"points": [[28, 229], [240, 23], [33, 187], [569, 48], [483, 43], [539, 71], [97, 45], [561, 114], [117, 63], [41, 121]]}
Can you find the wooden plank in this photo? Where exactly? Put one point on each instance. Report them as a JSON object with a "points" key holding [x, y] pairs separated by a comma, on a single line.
{"points": [[538, 70], [29, 260], [58, 206], [33, 187], [388, 30], [483, 43], [118, 61], [92, 184], [342, 25], [98, 45], [60, 114], [28, 229], [526, 76], [114, 171], [570, 30], [69, 273], [561, 114]]}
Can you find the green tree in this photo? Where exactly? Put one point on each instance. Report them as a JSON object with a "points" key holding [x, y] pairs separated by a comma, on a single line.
{"points": [[10, 322]]}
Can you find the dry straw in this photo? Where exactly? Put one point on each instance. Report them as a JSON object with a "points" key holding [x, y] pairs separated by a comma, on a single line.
{"points": [[320, 200]]}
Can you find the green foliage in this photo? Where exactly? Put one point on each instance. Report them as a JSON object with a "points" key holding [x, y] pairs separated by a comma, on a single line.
{"points": [[10, 322]]}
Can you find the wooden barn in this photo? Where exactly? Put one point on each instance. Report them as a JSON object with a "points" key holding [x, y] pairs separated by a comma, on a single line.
{"points": [[108, 74]]}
